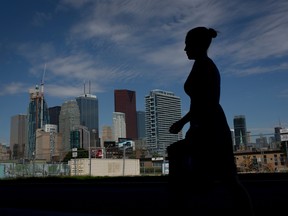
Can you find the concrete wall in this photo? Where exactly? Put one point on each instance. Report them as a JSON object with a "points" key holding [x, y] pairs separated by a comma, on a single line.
{"points": [[105, 167]]}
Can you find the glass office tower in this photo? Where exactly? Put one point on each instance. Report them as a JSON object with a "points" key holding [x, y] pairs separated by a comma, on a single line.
{"points": [[37, 117], [240, 131], [54, 113], [69, 119], [89, 116]]}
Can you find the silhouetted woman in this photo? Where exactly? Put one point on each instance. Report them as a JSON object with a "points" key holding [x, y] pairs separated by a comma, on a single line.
{"points": [[204, 158]]}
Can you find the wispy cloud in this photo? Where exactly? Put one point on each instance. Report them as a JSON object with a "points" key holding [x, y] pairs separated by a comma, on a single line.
{"points": [[13, 88], [122, 40]]}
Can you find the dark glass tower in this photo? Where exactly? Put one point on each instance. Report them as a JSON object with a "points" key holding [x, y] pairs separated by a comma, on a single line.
{"points": [[141, 124], [125, 102], [89, 116], [240, 130], [37, 117], [18, 135], [54, 113]]}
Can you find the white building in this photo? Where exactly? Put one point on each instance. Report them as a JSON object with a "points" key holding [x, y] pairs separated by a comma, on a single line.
{"points": [[119, 125], [104, 167]]}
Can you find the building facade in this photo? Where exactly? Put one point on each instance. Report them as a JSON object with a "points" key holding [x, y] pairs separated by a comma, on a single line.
{"points": [[89, 116], [80, 137], [269, 160], [125, 102], [141, 125], [37, 117], [54, 113], [119, 126], [240, 131], [107, 134], [69, 119], [162, 108], [49, 144], [18, 135]]}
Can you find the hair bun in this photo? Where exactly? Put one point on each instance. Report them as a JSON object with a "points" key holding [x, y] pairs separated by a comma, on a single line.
{"points": [[212, 32]]}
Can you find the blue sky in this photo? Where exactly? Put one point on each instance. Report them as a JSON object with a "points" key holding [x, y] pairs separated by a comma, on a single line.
{"points": [[138, 45]]}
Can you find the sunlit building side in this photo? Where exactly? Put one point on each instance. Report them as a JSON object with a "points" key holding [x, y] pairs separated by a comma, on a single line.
{"points": [[48, 144], [107, 134], [162, 108], [119, 126]]}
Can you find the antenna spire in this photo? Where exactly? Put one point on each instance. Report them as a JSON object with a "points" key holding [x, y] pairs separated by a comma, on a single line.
{"points": [[42, 81]]}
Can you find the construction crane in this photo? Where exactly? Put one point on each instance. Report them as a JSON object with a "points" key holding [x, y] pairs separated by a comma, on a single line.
{"points": [[42, 96]]}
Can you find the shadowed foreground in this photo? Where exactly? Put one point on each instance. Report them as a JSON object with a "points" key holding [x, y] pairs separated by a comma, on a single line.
{"points": [[125, 196]]}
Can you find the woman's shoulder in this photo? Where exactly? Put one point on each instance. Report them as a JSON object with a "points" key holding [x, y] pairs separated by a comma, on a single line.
{"points": [[205, 63]]}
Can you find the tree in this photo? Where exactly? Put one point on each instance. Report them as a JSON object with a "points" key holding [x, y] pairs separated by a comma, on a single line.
{"points": [[81, 153]]}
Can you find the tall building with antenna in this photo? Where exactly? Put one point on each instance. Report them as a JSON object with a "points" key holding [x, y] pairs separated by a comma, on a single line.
{"points": [[89, 115], [240, 131], [37, 117]]}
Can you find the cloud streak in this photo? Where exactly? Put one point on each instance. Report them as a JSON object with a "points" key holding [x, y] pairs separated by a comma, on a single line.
{"points": [[118, 40]]}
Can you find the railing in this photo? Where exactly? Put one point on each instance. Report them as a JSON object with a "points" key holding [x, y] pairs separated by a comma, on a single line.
{"points": [[32, 169]]}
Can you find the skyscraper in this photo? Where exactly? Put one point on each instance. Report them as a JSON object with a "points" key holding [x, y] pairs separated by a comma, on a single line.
{"points": [[141, 124], [69, 119], [125, 102], [240, 131], [37, 117], [162, 109], [119, 126], [18, 135], [277, 133], [54, 113], [89, 116]]}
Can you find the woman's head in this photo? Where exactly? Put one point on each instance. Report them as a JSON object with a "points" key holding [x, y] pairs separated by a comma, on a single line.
{"points": [[198, 41]]}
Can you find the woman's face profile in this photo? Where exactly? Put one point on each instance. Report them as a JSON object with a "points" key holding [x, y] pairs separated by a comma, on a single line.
{"points": [[190, 48]]}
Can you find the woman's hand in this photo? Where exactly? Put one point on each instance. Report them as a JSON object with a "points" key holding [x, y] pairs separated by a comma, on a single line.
{"points": [[176, 127]]}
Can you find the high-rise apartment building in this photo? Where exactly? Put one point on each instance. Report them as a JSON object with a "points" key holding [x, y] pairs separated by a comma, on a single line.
{"points": [[240, 131], [119, 126], [125, 102], [37, 117], [162, 108], [69, 119], [89, 116], [18, 136]]}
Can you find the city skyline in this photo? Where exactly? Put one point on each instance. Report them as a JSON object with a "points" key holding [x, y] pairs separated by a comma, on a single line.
{"points": [[130, 45]]}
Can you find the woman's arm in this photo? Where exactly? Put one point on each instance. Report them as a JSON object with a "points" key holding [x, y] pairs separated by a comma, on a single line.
{"points": [[177, 126]]}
